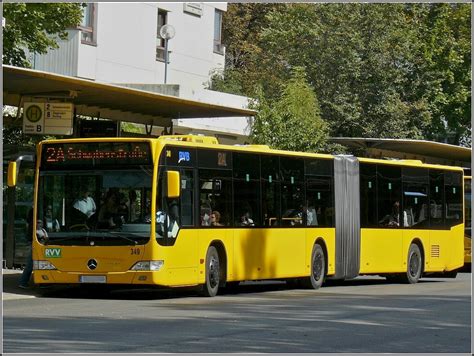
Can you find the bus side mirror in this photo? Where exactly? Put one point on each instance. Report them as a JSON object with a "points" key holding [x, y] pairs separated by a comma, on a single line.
{"points": [[173, 181], [12, 174]]}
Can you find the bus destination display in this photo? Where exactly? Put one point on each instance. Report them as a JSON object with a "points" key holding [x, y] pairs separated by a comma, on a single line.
{"points": [[96, 154]]}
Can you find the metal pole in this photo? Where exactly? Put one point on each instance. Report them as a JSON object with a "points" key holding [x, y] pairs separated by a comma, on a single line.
{"points": [[166, 57]]}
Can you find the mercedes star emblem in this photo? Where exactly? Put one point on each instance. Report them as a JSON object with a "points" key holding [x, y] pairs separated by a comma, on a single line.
{"points": [[92, 264]]}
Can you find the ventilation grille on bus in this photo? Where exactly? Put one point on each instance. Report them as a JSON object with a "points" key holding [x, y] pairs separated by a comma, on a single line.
{"points": [[435, 251]]}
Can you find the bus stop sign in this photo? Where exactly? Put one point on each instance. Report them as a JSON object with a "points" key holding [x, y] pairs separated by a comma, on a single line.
{"points": [[47, 118]]}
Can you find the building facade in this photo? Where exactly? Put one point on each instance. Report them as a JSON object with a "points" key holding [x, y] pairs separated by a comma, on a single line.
{"points": [[120, 43]]}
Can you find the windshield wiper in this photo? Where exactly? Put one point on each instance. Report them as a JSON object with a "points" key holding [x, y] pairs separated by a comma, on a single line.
{"points": [[122, 237], [67, 238]]}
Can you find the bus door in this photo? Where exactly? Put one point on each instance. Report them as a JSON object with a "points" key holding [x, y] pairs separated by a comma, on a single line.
{"points": [[214, 216], [180, 247], [17, 203]]}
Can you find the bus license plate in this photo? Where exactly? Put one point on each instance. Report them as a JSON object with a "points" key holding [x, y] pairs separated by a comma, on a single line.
{"points": [[92, 279]]}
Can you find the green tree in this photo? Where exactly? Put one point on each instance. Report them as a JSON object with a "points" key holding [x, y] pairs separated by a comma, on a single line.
{"points": [[292, 121], [379, 70], [246, 64], [444, 69], [356, 57], [36, 27]]}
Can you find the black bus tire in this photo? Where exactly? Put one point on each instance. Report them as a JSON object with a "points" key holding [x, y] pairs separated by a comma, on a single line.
{"points": [[414, 265], [211, 286], [318, 268]]}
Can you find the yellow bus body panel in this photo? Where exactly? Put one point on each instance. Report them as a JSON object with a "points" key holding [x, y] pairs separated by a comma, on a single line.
{"points": [[113, 261], [380, 251], [386, 250], [467, 249], [251, 254]]}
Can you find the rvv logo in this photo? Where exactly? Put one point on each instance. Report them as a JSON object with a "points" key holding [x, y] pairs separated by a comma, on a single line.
{"points": [[52, 252]]}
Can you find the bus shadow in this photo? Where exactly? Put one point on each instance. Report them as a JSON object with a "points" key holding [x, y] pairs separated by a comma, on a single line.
{"points": [[127, 292]]}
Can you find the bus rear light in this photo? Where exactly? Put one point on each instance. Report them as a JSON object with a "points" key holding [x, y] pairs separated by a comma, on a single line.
{"points": [[148, 265], [43, 265]]}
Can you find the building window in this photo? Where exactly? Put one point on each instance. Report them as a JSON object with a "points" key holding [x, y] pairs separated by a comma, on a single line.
{"points": [[88, 24], [218, 46], [160, 41]]}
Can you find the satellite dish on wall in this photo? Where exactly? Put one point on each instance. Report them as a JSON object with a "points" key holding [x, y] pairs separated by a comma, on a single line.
{"points": [[167, 32]]}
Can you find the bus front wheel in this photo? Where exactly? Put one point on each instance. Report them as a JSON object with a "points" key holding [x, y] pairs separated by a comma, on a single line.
{"points": [[414, 265], [211, 286], [318, 268]]}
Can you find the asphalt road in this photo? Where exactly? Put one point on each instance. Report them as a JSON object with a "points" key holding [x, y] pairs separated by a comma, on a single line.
{"points": [[366, 315]]}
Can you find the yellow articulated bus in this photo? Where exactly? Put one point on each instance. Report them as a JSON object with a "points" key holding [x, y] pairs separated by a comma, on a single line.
{"points": [[467, 222], [187, 211]]}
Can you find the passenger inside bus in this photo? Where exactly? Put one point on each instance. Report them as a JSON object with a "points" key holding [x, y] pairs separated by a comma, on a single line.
{"points": [[85, 204], [41, 233], [109, 213], [132, 206], [246, 220], [311, 217], [83, 211], [206, 213], [216, 218], [51, 224], [393, 219]]}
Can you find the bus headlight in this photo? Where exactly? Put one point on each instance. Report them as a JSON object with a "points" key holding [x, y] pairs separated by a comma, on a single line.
{"points": [[43, 265], [148, 265]]}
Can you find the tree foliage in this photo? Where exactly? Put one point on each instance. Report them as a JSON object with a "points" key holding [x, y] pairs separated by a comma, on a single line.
{"points": [[378, 70], [292, 121], [36, 27]]}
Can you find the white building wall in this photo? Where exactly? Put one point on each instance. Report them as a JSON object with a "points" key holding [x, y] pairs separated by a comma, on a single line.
{"points": [[126, 45]]}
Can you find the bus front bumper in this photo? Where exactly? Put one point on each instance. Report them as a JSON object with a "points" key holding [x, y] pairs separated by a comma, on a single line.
{"points": [[128, 277]]}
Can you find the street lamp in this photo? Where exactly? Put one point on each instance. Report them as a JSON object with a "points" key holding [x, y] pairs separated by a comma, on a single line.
{"points": [[167, 32]]}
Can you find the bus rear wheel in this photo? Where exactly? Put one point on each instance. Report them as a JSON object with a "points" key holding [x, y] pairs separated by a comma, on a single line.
{"points": [[211, 286], [318, 268], [414, 265]]}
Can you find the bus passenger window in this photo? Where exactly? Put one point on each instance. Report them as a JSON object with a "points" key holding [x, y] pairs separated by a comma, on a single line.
{"points": [[368, 195], [319, 202], [215, 190], [389, 197], [270, 202], [453, 197], [246, 189], [187, 198], [271, 194], [292, 191]]}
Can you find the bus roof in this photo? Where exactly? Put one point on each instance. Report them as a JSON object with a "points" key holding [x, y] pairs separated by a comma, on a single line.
{"points": [[212, 143]]}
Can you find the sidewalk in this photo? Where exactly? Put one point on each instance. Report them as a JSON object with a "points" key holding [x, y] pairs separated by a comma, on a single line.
{"points": [[10, 286]]}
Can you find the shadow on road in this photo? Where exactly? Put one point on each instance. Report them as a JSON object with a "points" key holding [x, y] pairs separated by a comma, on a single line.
{"points": [[127, 292]]}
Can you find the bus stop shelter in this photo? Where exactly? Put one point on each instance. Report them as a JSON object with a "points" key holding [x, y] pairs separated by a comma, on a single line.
{"points": [[108, 101]]}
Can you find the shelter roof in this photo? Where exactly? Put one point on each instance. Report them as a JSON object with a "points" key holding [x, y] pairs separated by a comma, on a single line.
{"points": [[105, 100], [427, 151]]}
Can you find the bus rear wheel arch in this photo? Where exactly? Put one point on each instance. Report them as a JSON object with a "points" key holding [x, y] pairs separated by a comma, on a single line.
{"points": [[415, 265]]}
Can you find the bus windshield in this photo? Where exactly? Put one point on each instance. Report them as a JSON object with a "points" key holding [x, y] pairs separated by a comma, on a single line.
{"points": [[94, 193], [110, 207]]}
